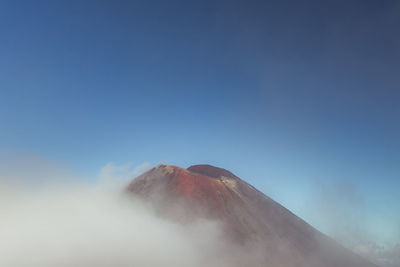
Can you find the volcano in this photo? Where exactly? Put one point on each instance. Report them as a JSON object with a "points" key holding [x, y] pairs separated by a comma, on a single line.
{"points": [[247, 215]]}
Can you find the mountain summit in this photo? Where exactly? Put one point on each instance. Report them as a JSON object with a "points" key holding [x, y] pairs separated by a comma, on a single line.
{"points": [[246, 214], [211, 171]]}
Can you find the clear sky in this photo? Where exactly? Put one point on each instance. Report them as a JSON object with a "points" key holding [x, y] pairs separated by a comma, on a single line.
{"points": [[299, 98]]}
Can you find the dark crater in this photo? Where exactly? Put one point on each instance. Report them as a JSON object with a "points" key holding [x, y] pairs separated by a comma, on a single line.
{"points": [[210, 171]]}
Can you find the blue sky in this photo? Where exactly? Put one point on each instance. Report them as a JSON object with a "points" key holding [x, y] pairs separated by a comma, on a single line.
{"points": [[292, 96]]}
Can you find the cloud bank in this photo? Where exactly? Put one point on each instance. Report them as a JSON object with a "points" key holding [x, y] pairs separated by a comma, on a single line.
{"points": [[76, 225], [72, 224], [67, 223]]}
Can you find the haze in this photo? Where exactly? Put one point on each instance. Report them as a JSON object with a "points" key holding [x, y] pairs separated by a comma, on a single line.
{"points": [[301, 98]]}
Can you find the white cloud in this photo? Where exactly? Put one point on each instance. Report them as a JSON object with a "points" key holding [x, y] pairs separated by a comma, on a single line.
{"points": [[70, 223], [82, 226]]}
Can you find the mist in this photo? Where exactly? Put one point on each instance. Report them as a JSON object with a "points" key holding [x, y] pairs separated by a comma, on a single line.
{"points": [[64, 221], [82, 225], [355, 229]]}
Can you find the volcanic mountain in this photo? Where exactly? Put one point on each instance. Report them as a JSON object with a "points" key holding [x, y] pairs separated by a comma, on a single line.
{"points": [[246, 214]]}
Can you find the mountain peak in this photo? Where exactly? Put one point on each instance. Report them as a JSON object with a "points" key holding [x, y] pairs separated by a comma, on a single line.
{"points": [[211, 171]]}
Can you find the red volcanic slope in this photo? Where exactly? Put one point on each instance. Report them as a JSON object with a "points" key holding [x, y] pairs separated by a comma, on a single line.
{"points": [[247, 214]]}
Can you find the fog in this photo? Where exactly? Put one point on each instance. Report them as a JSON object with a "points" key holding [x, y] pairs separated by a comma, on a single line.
{"points": [[51, 218], [82, 225]]}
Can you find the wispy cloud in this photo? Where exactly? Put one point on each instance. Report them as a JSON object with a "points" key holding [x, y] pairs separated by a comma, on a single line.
{"points": [[341, 211]]}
